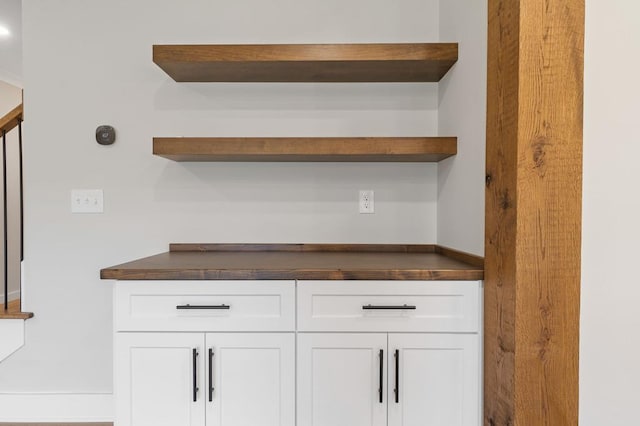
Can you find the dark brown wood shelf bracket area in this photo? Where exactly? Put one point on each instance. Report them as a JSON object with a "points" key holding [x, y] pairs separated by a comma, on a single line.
{"points": [[302, 262], [321, 63], [419, 149]]}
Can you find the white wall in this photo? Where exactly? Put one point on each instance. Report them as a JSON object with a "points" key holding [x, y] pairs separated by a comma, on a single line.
{"points": [[609, 324], [11, 45], [10, 97], [106, 76], [89, 63], [462, 113]]}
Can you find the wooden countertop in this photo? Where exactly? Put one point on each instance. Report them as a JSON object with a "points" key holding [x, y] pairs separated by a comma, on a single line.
{"points": [[301, 262]]}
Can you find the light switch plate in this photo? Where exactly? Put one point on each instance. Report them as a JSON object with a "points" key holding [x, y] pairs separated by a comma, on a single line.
{"points": [[87, 201]]}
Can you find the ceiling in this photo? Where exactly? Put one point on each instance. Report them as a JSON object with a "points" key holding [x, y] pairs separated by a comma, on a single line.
{"points": [[11, 46]]}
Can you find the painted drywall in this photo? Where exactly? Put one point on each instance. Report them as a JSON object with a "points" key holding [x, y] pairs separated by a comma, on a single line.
{"points": [[11, 44], [609, 323], [462, 113], [11, 97], [89, 63]]}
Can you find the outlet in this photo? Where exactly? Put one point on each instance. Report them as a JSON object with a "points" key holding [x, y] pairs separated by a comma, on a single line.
{"points": [[87, 201], [366, 201]]}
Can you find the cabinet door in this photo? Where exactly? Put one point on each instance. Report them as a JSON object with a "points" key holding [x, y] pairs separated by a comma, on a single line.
{"points": [[253, 378], [157, 379], [434, 380], [342, 380]]}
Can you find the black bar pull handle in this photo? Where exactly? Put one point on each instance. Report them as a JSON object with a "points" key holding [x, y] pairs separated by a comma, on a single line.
{"points": [[397, 388], [195, 375], [388, 307], [381, 356], [210, 374], [187, 306]]}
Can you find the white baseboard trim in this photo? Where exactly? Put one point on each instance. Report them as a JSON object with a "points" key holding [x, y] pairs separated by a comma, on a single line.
{"points": [[56, 407], [13, 295]]}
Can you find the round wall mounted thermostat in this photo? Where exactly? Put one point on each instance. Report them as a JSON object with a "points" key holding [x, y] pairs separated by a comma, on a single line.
{"points": [[105, 135]]}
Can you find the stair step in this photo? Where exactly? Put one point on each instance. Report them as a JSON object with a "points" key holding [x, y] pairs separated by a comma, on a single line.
{"points": [[15, 315], [14, 311]]}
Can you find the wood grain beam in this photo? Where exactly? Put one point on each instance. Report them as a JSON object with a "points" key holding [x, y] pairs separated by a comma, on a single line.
{"points": [[533, 211]]}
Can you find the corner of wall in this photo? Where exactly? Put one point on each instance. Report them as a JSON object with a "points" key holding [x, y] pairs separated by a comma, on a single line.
{"points": [[462, 113]]}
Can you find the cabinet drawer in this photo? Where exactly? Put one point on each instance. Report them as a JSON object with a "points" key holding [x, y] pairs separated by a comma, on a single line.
{"points": [[205, 306], [396, 306]]}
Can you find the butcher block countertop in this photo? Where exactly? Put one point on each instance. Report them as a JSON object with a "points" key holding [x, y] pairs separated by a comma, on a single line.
{"points": [[301, 262]]}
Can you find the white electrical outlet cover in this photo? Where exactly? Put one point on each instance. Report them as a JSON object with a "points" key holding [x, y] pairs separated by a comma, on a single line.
{"points": [[366, 203]]}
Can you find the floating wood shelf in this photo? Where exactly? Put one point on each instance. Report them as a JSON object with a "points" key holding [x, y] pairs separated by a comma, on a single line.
{"points": [[415, 62], [373, 149]]}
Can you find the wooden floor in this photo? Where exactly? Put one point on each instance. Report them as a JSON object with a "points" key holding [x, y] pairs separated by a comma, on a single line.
{"points": [[14, 305], [56, 424]]}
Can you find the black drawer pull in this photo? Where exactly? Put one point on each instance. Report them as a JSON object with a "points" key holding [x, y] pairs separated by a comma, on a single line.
{"points": [[386, 307], [203, 307]]}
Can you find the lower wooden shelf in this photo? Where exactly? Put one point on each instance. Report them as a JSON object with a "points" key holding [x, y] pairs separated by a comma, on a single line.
{"points": [[358, 149]]}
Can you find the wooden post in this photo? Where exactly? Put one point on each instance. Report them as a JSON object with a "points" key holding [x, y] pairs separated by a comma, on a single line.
{"points": [[533, 212]]}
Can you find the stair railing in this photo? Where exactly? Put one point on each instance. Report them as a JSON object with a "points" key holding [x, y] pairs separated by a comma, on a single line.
{"points": [[8, 123]]}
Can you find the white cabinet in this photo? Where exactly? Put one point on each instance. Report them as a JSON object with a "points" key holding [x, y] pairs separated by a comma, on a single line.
{"points": [[401, 306], [170, 372], [433, 380], [253, 377], [429, 377], [421, 379], [155, 381], [205, 306], [342, 380], [366, 353]]}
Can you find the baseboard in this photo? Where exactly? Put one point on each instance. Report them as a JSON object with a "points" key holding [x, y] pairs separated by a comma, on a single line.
{"points": [[56, 407]]}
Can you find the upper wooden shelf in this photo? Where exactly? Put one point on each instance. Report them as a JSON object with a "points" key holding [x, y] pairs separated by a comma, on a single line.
{"points": [[406, 62], [419, 149]]}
